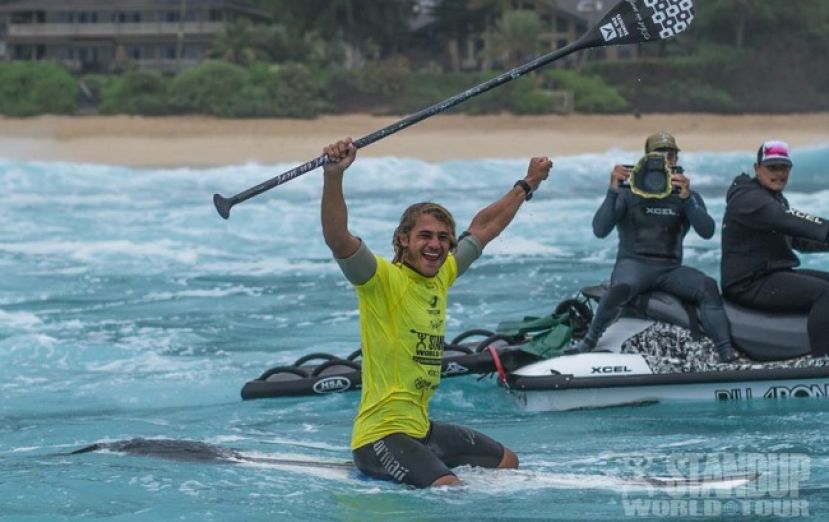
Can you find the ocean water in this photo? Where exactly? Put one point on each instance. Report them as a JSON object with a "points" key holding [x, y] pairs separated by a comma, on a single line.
{"points": [[128, 308]]}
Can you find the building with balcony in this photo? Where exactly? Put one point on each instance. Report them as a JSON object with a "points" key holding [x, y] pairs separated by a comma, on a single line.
{"points": [[563, 22], [107, 35]]}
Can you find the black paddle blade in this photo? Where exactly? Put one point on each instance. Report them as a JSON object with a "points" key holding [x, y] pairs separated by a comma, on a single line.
{"points": [[222, 205], [638, 21]]}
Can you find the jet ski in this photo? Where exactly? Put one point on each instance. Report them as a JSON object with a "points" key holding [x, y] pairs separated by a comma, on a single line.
{"points": [[655, 351]]}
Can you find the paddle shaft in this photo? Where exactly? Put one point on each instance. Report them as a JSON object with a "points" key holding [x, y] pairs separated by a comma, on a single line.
{"points": [[223, 205], [630, 21]]}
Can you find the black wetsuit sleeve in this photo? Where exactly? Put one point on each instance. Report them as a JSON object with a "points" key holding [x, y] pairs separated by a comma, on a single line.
{"points": [[698, 215], [774, 217], [808, 245], [609, 213]]}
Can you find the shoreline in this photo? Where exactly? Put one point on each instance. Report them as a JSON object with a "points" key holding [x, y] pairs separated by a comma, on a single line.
{"points": [[201, 142]]}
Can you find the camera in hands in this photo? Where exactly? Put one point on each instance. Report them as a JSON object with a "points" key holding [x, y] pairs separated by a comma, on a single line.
{"points": [[651, 177]]}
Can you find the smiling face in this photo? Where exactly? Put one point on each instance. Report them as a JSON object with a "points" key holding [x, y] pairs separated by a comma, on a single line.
{"points": [[772, 177], [426, 246]]}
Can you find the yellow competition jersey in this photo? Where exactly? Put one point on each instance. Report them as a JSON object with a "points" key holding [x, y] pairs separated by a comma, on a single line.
{"points": [[402, 322]]}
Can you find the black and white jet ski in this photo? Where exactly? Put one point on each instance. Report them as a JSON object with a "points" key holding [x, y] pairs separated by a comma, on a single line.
{"points": [[654, 352]]}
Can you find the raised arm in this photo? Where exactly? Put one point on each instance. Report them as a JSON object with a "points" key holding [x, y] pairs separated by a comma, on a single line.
{"points": [[334, 211], [613, 207], [492, 220]]}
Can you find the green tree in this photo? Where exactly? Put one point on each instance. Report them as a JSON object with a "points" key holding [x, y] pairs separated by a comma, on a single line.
{"points": [[139, 92], [455, 24], [517, 35], [31, 88], [239, 43], [376, 28], [212, 87]]}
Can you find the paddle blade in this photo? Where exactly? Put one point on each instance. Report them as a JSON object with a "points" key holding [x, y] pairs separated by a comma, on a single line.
{"points": [[638, 21], [222, 205]]}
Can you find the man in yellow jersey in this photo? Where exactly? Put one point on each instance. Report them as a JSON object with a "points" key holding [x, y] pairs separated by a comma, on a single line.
{"points": [[402, 323]]}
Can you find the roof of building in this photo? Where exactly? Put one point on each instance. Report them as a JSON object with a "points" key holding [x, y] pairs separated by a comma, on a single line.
{"points": [[124, 5]]}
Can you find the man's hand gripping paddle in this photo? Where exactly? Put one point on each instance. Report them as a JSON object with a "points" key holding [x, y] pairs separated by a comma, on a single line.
{"points": [[629, 22]]}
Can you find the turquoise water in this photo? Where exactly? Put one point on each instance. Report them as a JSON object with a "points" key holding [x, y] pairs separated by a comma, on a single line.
{"points": [[128, 308]]}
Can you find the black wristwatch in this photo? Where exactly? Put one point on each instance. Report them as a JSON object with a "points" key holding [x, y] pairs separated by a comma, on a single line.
{"points": [[527, 188]]}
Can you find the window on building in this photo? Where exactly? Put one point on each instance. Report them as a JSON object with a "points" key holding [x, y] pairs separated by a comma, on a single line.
{"points": [[561, 42], [171, 16], [192, 52], [87, 55], [23, 17], [562, 24], [170, 52], [216, 15], [129, 17], [107, 53], [87, 17], [63, 52], [29, 52]]}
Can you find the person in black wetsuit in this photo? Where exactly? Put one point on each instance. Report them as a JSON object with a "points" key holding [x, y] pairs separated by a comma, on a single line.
{"points": [[760, 234], [649, 257]]}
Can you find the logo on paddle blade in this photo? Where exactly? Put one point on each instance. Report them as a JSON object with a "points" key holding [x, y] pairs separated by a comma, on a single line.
{"points": [[332, 385], [608, 32], [614, 29]]}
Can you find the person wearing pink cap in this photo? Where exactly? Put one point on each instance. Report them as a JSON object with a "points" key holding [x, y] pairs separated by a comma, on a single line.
{"points": [[759, 236]]}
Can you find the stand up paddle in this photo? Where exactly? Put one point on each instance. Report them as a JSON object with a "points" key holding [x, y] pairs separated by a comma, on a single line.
{"points": [[629, 22]]}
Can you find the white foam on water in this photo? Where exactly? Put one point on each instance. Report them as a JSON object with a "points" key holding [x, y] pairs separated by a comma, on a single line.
{"points": [[150, 362], [94, 250], [203, 293], [19, 320], [520, 246], [24, 449], [275, 265]]}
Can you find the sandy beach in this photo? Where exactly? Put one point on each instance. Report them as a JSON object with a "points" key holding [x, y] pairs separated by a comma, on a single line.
{"points": [[207, 142]]}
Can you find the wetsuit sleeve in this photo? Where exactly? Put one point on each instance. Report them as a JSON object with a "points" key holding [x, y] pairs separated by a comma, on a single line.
{"points": [[360, 266], [469, 249], [773, 216], [698, 215], [808, 245], [609, 213]]}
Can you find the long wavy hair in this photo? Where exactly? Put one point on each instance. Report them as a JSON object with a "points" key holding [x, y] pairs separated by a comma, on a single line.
{"points": [[409, 219]]}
